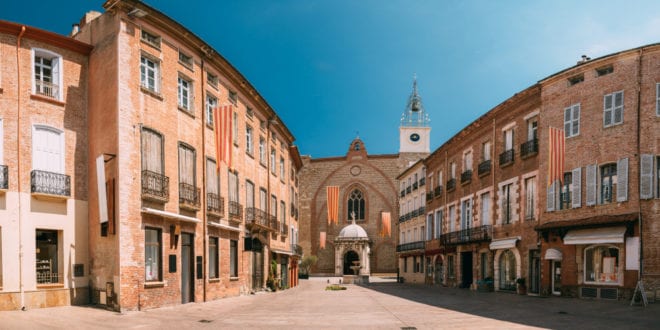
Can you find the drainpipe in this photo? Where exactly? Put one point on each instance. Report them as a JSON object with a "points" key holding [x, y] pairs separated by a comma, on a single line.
{"points": [[203, 188], [639, 158], [18, 167]]}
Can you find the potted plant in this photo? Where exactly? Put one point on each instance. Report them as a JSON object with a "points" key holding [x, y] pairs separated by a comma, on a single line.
{"points": [[485, 285], [306, 265], [272, 281], [521, 288]]}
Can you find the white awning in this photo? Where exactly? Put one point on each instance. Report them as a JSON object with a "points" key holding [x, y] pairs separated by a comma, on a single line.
{"points": [[504, 243], [171, 215], [595, 235], [553, 254], [223, 226], [289, 253]]}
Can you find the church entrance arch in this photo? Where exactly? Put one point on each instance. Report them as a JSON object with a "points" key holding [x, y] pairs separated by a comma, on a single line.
{"points": [[349, 260]]}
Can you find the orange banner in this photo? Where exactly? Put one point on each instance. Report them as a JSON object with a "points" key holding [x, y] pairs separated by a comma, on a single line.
{"points": [[386, 224], [222, 122], [322, 240], [333, 204], [556, 155]]}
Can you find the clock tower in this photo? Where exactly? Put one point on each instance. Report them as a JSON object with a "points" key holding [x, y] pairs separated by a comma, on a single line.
{"points": [[415, 130]]}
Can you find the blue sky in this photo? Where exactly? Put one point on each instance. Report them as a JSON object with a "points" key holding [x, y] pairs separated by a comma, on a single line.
{"points": [[333, 68]]}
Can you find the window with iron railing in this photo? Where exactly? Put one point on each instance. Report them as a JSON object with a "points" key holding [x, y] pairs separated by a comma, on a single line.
{"points": [[451, 184], [484, 167], [506, 157], [529, 148], [466, 176], [47, 73]]}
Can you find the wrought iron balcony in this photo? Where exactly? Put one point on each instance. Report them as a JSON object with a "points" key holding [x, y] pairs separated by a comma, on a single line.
{"points": [[215, 205], [4, 177], [50, 183], [506, 157], [155, 186], [297, 249], [189, 197], [477, 234], [484, 167], [403, 192], [284, 230], [466, 176], [256, 217], [410, 246], [46, 88], [408, 190], [437, 191], [529, 148], [429, 196], [421, 210], [402, 218], [422, 181], [415, 186], [407, 217], [451, 184], [235, 211], [413, 213]]}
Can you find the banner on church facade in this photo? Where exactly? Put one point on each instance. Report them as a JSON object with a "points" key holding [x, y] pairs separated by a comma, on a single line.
{"points": [[386, 224], [333, 204]]}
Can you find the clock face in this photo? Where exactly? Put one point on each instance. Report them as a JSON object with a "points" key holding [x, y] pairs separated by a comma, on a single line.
{"points": [[414, 137]]}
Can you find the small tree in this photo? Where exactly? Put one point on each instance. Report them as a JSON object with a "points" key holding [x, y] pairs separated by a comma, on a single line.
{"points": [[307, 263]]}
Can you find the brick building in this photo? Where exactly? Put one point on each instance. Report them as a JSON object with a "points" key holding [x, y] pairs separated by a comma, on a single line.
{"points": [[411, 223]]}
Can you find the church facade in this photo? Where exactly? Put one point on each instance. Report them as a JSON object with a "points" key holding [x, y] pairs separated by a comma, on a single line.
{"points": [[368, 191]]}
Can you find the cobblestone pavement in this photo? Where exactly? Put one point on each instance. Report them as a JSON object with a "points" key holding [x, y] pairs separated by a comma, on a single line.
{"points": [[380, 305]]}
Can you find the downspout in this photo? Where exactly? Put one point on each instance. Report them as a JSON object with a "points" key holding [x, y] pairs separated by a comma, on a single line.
{"points": [[638, 156], [18, 168], [203, 188]]}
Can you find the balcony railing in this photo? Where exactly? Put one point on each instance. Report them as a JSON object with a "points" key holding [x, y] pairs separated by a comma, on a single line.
{"points": [[421, 210], [484, 167], [414, 213], [529, 148], [273, 223], [422, 181], [50, 183], [466, 176], [429, 196], [408, 190], [477, 234], [284, 229], [256, 217], [410, 246], [189, 196], [4, 177], [437, 191], [155, 186], [403, 192], [402, 218], [506, 157], [415, 185], [297, 249], [407, 216], [235, 211], [451, 184], [215, 204], [46, 88]]}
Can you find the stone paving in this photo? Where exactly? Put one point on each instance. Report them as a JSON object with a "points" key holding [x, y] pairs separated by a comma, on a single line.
{"points": [[379, 305]]}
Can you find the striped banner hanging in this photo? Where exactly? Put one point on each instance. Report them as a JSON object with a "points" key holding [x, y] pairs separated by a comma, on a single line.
{"points": [[222, 121], [556, 155], [333, 204], [322, 240], [386, 224]]}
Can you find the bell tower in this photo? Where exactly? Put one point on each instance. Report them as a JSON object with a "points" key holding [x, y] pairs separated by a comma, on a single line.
{"points": [[415, 129]]}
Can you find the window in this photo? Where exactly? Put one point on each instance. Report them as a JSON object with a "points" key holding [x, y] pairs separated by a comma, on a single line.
{"points": [[186, 60], [566, 194], [601, 264], [233, 258], [485, 151], [452, 218], [48, 149], [273, 165], [262, 199], [47, 73], [150, 74], [450, 266], [214, 270], [467, 161], [356, 205], [604, 70], [211, 105], [506, 204], [212, 80], [508, 139], [282, 213], [608, 180], [249, 194], [233, 187], [248, 140], [186, 165], [572, 120], [484, 265], [405, 264], [532, 128], [150, 39], [453, 170], [273, 206], [152, 254], [466, 214], [234, 128], [438, 224], [530, 192], [485, 209], [507, 271], [249, 112], [233, 97], [262, 150], [575, 80], [429, 227], [262, 124], [47, 258], [184, 94], [282, 170], [613, 109]]}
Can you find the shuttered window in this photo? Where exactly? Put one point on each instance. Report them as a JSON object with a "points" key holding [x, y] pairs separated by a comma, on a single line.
{"points": [[249, 194], [273, 206], [622, 178], [485, 209], [438, 223], [577, 187], [608, 182], [233, 187], [591, 185], [186, 164], [152, 151], [466, 214], [212, 182], [48, 152], [646, 177], [572, 120], [263, 199], [283, 212], [530, 196], [550, 198], [613, 109], [452, 218]]}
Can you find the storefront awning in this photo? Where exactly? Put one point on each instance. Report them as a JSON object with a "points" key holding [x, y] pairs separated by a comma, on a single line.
{"points": [[289, 253], [553, 254], [595, 235], [171, 215], [504, 243]]}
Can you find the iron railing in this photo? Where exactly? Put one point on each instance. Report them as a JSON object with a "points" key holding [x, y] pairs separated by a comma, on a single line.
{"points": [[413, 213], [273, 223], [189, 196], [48, 278], [255, 216], [50, 183], [403, 192], [408, 190], [466, 176], [422, 181], [429, 196], [476, 234], [402, 218], [529, 148], [155, 186], [4, 177], [506, 157], [215, 204], [235, 211], [451, 184], [437, 191], [484, 167], [421, 210], [47, 89], [410, 246], [415, 185], [297, 249], [284, 230]]}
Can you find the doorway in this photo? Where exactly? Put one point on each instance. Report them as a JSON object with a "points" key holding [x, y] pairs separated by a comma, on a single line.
{"points": [[555, 266], [257, 264], [466, 269], [534, 271], [439, 273], [187, 277], [351, 258]]}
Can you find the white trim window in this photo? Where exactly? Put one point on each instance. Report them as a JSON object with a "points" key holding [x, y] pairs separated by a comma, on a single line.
{"points": [[508, 139], [234, 126], [262, 150], [429, 227], [613, 109], [601, 265], [282, 169], [273, 165], [211, 103], [572, 120], [485, 209], [485, 151], [47, 73], [452, 218], [466, 214], [184, 89], [47, 149], [438, 224], [248, 139], [530, 198], [150, 74]]}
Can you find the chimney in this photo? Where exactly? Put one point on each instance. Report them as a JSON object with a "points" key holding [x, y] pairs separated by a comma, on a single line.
{"points": [[584, 59], [75, 29]]}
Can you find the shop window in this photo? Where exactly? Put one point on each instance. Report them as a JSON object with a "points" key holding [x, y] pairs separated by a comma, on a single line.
{"points": [[48, 257], [601, 264], [152, 254], [507, 271]]}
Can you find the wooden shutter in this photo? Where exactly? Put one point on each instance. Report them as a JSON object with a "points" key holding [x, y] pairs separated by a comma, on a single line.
{"points": [[591, 185], [211, 177], [550, 198], [646, 177], [622, 180], [617, 114], [48, 152], [186, 165], [576, 120], [577, 188], [152, 151], [607, 109], [249, 194]]}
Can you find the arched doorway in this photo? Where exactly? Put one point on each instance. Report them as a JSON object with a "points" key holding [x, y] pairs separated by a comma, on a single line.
{"points": [[349, 259], [508, 271], [257, 264]]}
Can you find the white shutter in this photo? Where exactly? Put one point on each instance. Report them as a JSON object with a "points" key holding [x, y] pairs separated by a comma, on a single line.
{"points": [[618, 108], [622, 180], [57, 84], [591, 185], [48, 152], [550, 198], [607, 110], [211, 177], [577, 188], [646, 177]]}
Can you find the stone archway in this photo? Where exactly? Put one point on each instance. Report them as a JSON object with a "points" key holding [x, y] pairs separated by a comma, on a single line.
{"points": [[349, 260]]}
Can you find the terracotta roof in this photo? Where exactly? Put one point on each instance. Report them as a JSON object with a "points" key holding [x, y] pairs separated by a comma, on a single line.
{"points": [[604, 219]]}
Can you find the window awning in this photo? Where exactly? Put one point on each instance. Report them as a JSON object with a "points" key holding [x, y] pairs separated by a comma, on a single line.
{"points": [[504, 243], [289, 253], [222, 226], [171, 215], [595, 235], [553, 254]]}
